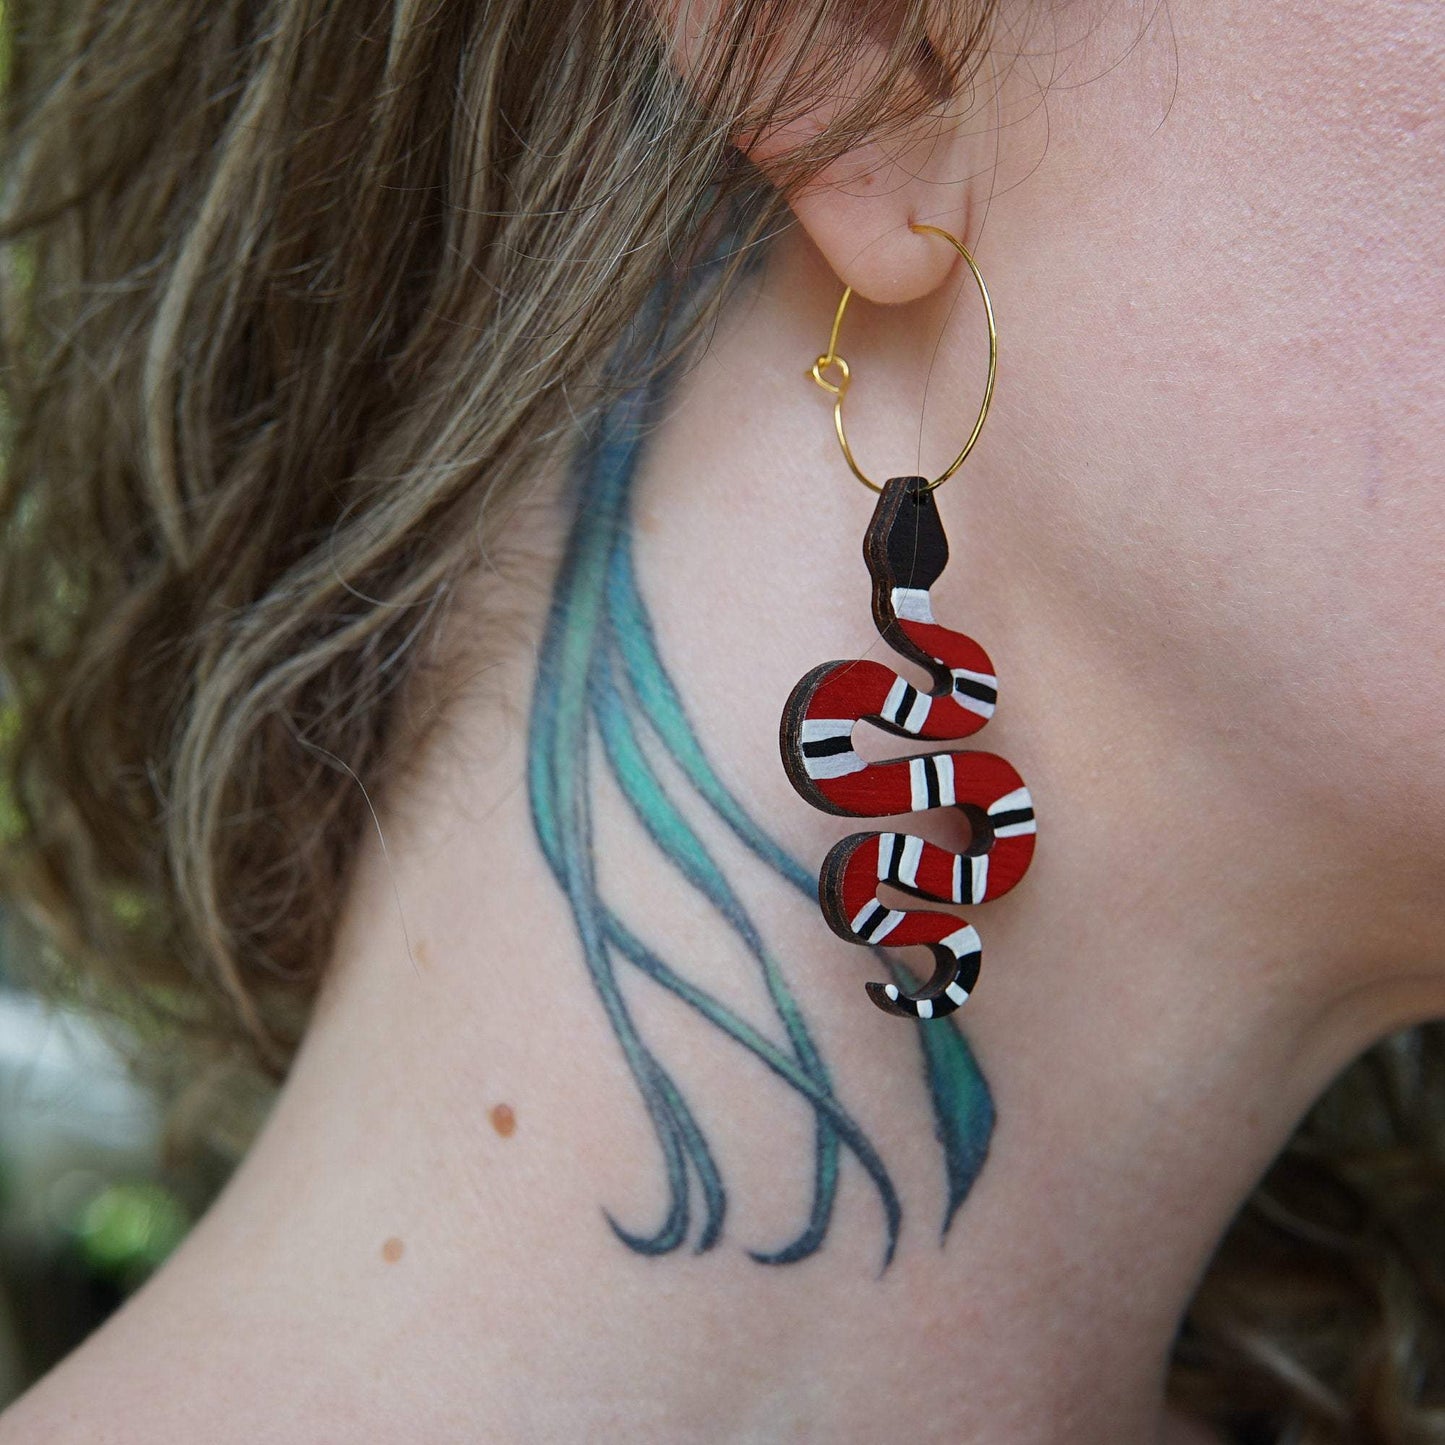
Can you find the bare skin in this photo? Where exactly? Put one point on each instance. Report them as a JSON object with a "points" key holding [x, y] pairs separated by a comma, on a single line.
{"points": [[1201, 542]]}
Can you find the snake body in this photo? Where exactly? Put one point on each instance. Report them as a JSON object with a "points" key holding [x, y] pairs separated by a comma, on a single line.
{"points": [[906, 551]]}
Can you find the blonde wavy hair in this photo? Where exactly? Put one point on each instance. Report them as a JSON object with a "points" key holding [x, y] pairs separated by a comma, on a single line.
{"points": [[296, 293]]}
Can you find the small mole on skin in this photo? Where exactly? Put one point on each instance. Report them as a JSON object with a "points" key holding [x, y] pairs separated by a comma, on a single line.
{"points": [[504, 1120], [392, 1250]]}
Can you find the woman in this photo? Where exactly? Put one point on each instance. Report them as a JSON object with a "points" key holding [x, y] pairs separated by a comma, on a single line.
{"points": [[419, 515]]}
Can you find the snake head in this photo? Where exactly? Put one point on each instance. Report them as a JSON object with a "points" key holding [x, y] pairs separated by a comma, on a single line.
{"points": [[905, 545]]}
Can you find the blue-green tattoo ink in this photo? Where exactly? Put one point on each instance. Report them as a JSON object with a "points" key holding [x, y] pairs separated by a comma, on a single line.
{"points": [[605, 699]]}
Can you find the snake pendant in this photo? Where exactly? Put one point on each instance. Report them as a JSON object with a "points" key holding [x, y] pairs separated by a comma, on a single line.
{"points": [[906, 551]]}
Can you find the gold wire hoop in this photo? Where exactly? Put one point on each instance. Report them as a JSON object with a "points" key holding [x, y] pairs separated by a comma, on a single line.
{"points": [[839, 389]]}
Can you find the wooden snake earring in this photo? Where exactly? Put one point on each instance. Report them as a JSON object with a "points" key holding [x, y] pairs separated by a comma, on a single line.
{"points": [[906, 551]]}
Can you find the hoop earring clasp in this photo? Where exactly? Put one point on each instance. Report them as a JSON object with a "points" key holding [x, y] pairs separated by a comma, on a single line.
{"points": [[839, 388]]}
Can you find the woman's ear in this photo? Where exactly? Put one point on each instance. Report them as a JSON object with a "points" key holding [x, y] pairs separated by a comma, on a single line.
{"points": [[858, 209]]}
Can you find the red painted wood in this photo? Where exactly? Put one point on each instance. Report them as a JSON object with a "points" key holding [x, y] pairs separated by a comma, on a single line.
{"points": [[906, 551]]}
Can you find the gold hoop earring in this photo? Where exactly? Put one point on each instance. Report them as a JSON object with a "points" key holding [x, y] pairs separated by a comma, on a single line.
{"points": [[905, 551], [839, 389]]}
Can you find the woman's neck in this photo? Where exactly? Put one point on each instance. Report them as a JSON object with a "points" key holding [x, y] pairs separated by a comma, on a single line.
{"points": [[587, 1049]]}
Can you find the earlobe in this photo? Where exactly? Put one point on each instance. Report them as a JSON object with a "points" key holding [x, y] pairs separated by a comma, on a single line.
{"points": [[858, 209]]}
